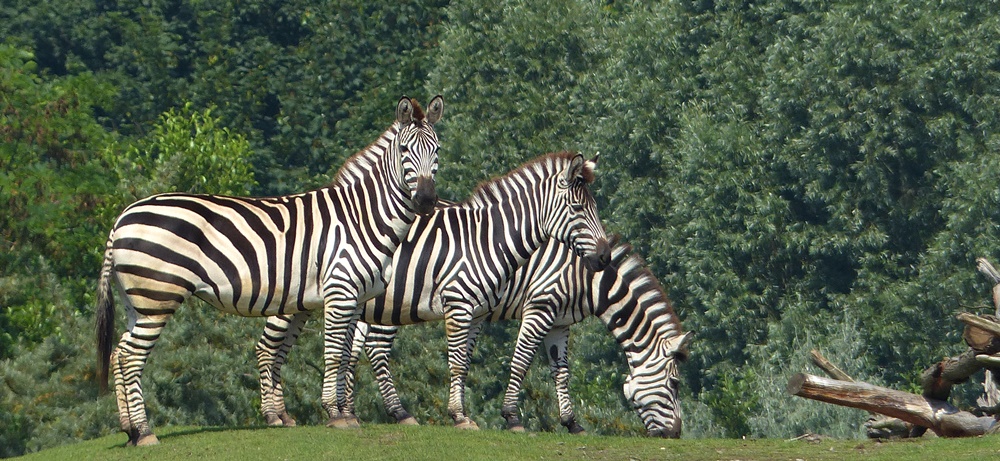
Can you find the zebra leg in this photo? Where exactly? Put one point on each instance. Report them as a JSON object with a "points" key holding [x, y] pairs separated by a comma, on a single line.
{"points": [[378, 346], [121, 398], [338, 316], [128, 361], [280, 334], [556, 345], [350, 367], [458, 324], [535, 324]]}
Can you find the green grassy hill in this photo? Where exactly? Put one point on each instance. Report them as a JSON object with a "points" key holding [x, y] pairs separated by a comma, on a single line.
{"points": [[390, 442]]}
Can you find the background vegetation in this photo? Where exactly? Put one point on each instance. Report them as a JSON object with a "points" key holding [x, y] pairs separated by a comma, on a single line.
{"points": [[799, 174]]}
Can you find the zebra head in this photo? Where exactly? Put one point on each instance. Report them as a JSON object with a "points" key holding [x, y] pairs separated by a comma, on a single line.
{"points": [[652, 385], [574, 219], [416, 144]]}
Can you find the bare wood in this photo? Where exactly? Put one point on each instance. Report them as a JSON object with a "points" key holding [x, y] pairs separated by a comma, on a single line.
{"points": [[990, 400], [878, 426], [996, 300], [938, 379], [832, 370], [981, 333], [886, 427], [988, 270], [941, 417], [979, 322]]}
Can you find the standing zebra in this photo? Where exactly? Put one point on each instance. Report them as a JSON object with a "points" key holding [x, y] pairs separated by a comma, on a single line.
{"points": [[550, 293], [453, 262], [324, 249]]}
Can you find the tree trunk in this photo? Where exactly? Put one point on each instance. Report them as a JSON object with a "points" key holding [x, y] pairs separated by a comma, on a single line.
{"points": [[941, 417]]}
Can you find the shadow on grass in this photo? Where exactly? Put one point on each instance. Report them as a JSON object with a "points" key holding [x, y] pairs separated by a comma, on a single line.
{"points": [[170, 434]]}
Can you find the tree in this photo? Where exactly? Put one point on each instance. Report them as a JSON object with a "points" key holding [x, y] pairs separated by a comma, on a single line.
{"points": [[50, 187]]}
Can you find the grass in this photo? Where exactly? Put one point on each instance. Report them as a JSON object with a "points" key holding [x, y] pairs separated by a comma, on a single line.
{"points": [[391, 442]]}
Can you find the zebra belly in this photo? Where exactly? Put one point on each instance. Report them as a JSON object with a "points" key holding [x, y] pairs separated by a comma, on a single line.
{"points": [[276, 299]]}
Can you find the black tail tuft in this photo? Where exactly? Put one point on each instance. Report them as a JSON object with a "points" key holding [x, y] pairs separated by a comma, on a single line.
{"points": [[105, 325]]}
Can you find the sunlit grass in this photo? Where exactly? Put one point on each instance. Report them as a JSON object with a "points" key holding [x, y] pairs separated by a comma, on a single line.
{"points": [[390, 442]]}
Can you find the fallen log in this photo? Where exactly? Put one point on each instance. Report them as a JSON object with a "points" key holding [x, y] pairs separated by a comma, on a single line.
{"points": [[938, 379], [941, 417], [989, 403], [877, 426], [982, 333]]}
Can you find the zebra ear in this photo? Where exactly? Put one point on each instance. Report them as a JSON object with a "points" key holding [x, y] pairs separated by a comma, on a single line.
{"points": [[677, 344], [589, 168], [592, 163], [404, 111], [434, 110], [575, 169]]}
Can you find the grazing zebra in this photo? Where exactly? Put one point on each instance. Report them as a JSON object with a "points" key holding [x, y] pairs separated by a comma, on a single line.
{"points": [[550, 293], [324, 249], [454, 261]]}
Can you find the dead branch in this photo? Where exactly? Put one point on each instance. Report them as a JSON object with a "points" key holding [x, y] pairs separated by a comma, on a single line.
{"points": [[941, 417]]}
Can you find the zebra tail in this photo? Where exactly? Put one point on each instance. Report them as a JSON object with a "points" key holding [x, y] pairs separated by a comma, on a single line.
{"points": [[105, 322]]}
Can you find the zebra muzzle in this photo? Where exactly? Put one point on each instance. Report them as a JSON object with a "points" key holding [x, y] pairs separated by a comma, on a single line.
{"points": [[601, 257], [425, 196]]}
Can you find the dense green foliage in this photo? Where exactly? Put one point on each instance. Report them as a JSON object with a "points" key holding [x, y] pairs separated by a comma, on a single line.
{"points": [[798, 174]]}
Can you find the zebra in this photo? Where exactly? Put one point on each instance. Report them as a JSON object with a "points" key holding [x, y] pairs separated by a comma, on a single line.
{"points": [[327, 248], [550, 293], [453, 261]]}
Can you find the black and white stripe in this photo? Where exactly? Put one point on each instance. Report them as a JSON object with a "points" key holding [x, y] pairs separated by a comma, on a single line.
{"points": [[454, 262], [550, 293], [324, 249]]}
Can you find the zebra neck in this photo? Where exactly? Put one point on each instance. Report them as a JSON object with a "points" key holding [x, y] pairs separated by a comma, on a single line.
{"points": [[374, 176], [633, 306]]}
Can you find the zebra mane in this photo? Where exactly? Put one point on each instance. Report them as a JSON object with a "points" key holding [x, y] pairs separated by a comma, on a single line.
{"points": [[619, 250], [636, 271], [418, 112], [362, 162], [492, 190]]}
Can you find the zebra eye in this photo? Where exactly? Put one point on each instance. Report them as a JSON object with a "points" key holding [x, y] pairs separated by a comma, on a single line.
{"points": [[404, 148]]}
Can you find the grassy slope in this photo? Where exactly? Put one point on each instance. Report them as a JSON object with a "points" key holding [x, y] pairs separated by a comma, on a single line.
{"points": [[390, 442]]}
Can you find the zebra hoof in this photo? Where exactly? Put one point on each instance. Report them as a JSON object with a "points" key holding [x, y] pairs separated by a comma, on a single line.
{"points": [[408, 421], [577, 429], [339, 422], [468, 424], [147, 440], [287, 420], [342, 422], [273, 420], [518, 428]]}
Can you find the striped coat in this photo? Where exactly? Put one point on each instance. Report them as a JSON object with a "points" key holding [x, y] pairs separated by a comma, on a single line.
{"points": [[549, 294], [323, 249], [453, 261]]}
